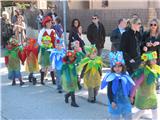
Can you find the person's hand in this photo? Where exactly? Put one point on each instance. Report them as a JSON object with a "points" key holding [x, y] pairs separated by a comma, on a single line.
{"points": [[114, 105], [131, 99], [145, 48], [132, 61], [155, 43], [149, 44]]}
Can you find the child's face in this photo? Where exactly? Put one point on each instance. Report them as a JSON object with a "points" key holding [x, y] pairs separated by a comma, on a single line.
{"points": [[49, 24], [117, 68], [93, 55], [46, 42], [59, 47], [153, 62]]}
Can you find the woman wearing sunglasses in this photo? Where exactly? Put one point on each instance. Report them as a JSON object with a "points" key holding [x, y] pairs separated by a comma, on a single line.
{"points": [[151, 38]]}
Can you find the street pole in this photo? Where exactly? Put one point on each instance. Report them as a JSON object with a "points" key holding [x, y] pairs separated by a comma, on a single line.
{"points": [[64, 22]]}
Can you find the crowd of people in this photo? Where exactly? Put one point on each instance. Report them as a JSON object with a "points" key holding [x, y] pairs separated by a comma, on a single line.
{"points": [[134, 61]]}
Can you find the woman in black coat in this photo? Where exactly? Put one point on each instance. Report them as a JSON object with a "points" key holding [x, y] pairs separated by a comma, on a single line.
{"points": [[74, 34], [131, 45], [151, 38]]}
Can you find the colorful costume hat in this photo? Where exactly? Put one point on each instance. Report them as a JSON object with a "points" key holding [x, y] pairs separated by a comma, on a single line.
{"points": [[90, 49], [116, 58], [46, 19], [149, 56], [70, 53], [31, 41], [76, 46], [13, 41], [58, 41]]}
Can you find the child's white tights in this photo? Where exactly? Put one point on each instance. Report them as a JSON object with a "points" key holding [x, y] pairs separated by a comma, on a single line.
{"points": [[140, 113], [154, 114]]}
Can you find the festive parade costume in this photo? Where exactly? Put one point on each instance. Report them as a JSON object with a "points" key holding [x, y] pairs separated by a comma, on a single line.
{"points": [[91, 71], [69, 77], [119, 87], [31, 56], [44, 60], [79, 56], [47, 32], [56, 58], [13, 56], [145, 89], [46, 40]]}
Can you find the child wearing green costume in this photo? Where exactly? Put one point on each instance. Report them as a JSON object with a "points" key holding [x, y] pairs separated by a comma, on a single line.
{"points": [[69, 77], [91, 72], [145, 89]]}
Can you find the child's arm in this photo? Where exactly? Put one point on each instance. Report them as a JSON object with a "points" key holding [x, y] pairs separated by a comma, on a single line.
{"points": [[110, 95], [100, 71], [138, 82], [22, 56], [84, 69]]}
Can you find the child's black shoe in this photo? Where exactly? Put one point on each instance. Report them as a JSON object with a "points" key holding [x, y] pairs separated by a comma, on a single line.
{"points": [[13, 82], [21, 83], [73, 104]]}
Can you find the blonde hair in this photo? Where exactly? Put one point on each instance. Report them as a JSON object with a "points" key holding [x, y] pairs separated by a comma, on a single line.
{"points": [[157, 22], [135, 20], [4, 13]]}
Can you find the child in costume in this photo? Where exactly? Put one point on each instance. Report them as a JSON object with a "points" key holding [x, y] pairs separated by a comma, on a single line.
{"points": [[44, 60], [48, 33], [56, 58], [91, 72], [13, 56], [145, 89], [119, 87], [31, 56], [79, 56], [69, 77]]}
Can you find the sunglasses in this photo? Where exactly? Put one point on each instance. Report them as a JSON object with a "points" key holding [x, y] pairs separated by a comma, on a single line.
{"points": [[94, 18], [153, 24], [139, 23]]}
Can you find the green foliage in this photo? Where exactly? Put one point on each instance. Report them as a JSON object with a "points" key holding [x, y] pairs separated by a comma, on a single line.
{"points": [[7, 3], [22, 5]]}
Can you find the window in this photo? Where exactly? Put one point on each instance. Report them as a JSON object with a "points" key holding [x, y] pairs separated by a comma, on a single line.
{"points": [[104, 3]]}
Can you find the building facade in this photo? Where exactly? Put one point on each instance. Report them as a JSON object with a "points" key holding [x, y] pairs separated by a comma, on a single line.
{"points": [[110, 11]]}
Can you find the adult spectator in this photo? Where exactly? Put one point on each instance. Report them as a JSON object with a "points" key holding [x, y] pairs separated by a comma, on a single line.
{"points": [[58, 27], [15, 17], [117, 33], [74, 34], [19, 29], [6, 29], [39, 19], [151, 38], [96, 34], [129, 24], [130, 45]]}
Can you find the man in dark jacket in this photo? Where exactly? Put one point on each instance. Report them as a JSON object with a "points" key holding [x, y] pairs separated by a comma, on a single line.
{"points": [[130, 45], [96, 34], [117, 33]]}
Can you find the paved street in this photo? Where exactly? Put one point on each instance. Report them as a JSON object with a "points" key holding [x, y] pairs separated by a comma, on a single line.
{"points": [[43, 102]]}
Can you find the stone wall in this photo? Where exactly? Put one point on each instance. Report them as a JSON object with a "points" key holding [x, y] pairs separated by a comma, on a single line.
{"points": [[108, 17]]}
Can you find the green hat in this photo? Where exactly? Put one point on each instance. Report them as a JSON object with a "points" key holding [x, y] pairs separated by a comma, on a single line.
{"points": [[90, 49], [149, 56]]}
